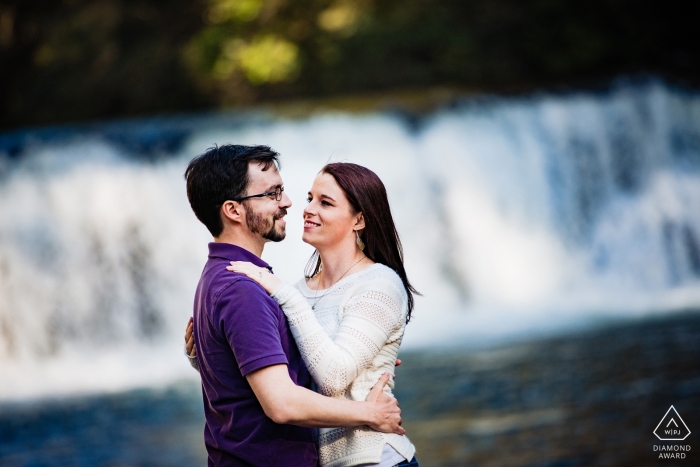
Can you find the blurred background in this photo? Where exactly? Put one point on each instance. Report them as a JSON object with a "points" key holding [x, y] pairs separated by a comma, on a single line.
{"points": [[542, 160]]}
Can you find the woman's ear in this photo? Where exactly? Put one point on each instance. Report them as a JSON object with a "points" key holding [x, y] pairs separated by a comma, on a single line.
{"points": [[359, 222]]}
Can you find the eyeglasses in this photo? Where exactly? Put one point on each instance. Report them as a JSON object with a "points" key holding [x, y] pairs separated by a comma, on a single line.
{"points": [[277, 195]]}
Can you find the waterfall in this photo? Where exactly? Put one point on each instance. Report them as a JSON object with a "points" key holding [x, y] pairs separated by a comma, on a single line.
{"points": [[519, 217]]}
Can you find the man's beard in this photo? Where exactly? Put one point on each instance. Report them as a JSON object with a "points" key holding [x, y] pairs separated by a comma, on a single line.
{"points": [[266, 227]]}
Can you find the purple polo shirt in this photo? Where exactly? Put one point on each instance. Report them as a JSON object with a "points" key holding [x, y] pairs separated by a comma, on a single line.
{"points": [[240, 329]]}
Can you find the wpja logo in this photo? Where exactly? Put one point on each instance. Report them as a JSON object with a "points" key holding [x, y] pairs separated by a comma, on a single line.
{"points": [[672, 428]]}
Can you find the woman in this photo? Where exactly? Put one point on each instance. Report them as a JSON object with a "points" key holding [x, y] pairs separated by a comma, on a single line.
{"points": [[348, 315]]}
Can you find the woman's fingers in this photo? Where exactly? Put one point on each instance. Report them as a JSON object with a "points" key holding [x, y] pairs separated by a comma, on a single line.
{"points": [[262, 276], [189, 338], [242, 267], [245, 266], [189, 329], [241, 271], [254, 272]]}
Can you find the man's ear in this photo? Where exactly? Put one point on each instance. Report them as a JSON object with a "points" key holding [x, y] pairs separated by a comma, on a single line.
{"points": [[232, 211], [359, 222]]}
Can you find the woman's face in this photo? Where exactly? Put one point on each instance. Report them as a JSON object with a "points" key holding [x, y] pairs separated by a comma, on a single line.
{"points": [[328, 217]]}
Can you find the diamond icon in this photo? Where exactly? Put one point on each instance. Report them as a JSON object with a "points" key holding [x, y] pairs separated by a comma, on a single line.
{"points": [[672, 427]]}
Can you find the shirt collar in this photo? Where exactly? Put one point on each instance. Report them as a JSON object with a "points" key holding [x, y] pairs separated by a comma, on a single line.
{"points": [[232, 252]]}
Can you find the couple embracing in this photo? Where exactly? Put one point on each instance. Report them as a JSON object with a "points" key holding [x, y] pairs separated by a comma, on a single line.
{"points": [[276, 360]]}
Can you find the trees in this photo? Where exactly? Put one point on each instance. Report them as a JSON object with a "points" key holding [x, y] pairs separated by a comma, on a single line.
{"points": [[86, 59]]}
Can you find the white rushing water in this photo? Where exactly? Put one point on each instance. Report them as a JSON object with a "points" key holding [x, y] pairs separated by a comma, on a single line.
{"points": [[519, 217]]}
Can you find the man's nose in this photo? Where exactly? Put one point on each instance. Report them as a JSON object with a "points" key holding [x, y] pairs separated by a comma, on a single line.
{"points": [[285, 202]]}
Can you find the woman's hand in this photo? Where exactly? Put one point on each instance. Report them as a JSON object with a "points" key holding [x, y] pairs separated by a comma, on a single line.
{"points": [[262, 276], [189, 338]]}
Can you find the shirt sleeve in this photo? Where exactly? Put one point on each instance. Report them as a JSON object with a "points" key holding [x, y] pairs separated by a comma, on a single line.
{"points": [[250, 321], [372, 314]]}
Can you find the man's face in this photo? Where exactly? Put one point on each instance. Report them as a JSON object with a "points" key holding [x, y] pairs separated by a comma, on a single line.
{"points": [[265, 215]]}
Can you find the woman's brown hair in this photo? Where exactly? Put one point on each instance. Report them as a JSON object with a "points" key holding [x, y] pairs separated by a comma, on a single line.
{"points": [[366, 194]]}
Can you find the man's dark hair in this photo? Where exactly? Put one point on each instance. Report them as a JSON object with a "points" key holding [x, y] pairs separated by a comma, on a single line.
{"points": [[221, 174]]}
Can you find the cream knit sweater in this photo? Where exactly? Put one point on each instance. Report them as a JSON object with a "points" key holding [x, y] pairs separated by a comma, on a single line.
{"points": [[347, 342]]}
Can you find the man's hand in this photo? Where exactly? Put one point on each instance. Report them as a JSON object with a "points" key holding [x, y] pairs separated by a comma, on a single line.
{"points": [[189, 338], [286, 403], [388, 413]]}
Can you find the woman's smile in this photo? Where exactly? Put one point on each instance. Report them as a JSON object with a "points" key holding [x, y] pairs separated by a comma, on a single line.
{"points": [[310, 225]]}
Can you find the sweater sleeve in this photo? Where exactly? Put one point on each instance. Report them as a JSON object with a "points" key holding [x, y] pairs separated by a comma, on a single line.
{"points": [[374, 311]]}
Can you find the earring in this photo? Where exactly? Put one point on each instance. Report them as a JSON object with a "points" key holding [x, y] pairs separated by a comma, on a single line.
{"points": [[360, 243]]}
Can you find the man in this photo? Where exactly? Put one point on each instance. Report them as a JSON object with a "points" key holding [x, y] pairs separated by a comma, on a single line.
{"points": [[258, 408]]}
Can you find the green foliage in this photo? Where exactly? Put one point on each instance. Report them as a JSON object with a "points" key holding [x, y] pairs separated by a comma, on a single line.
{"points": [[77, 60], [85, 59]]}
